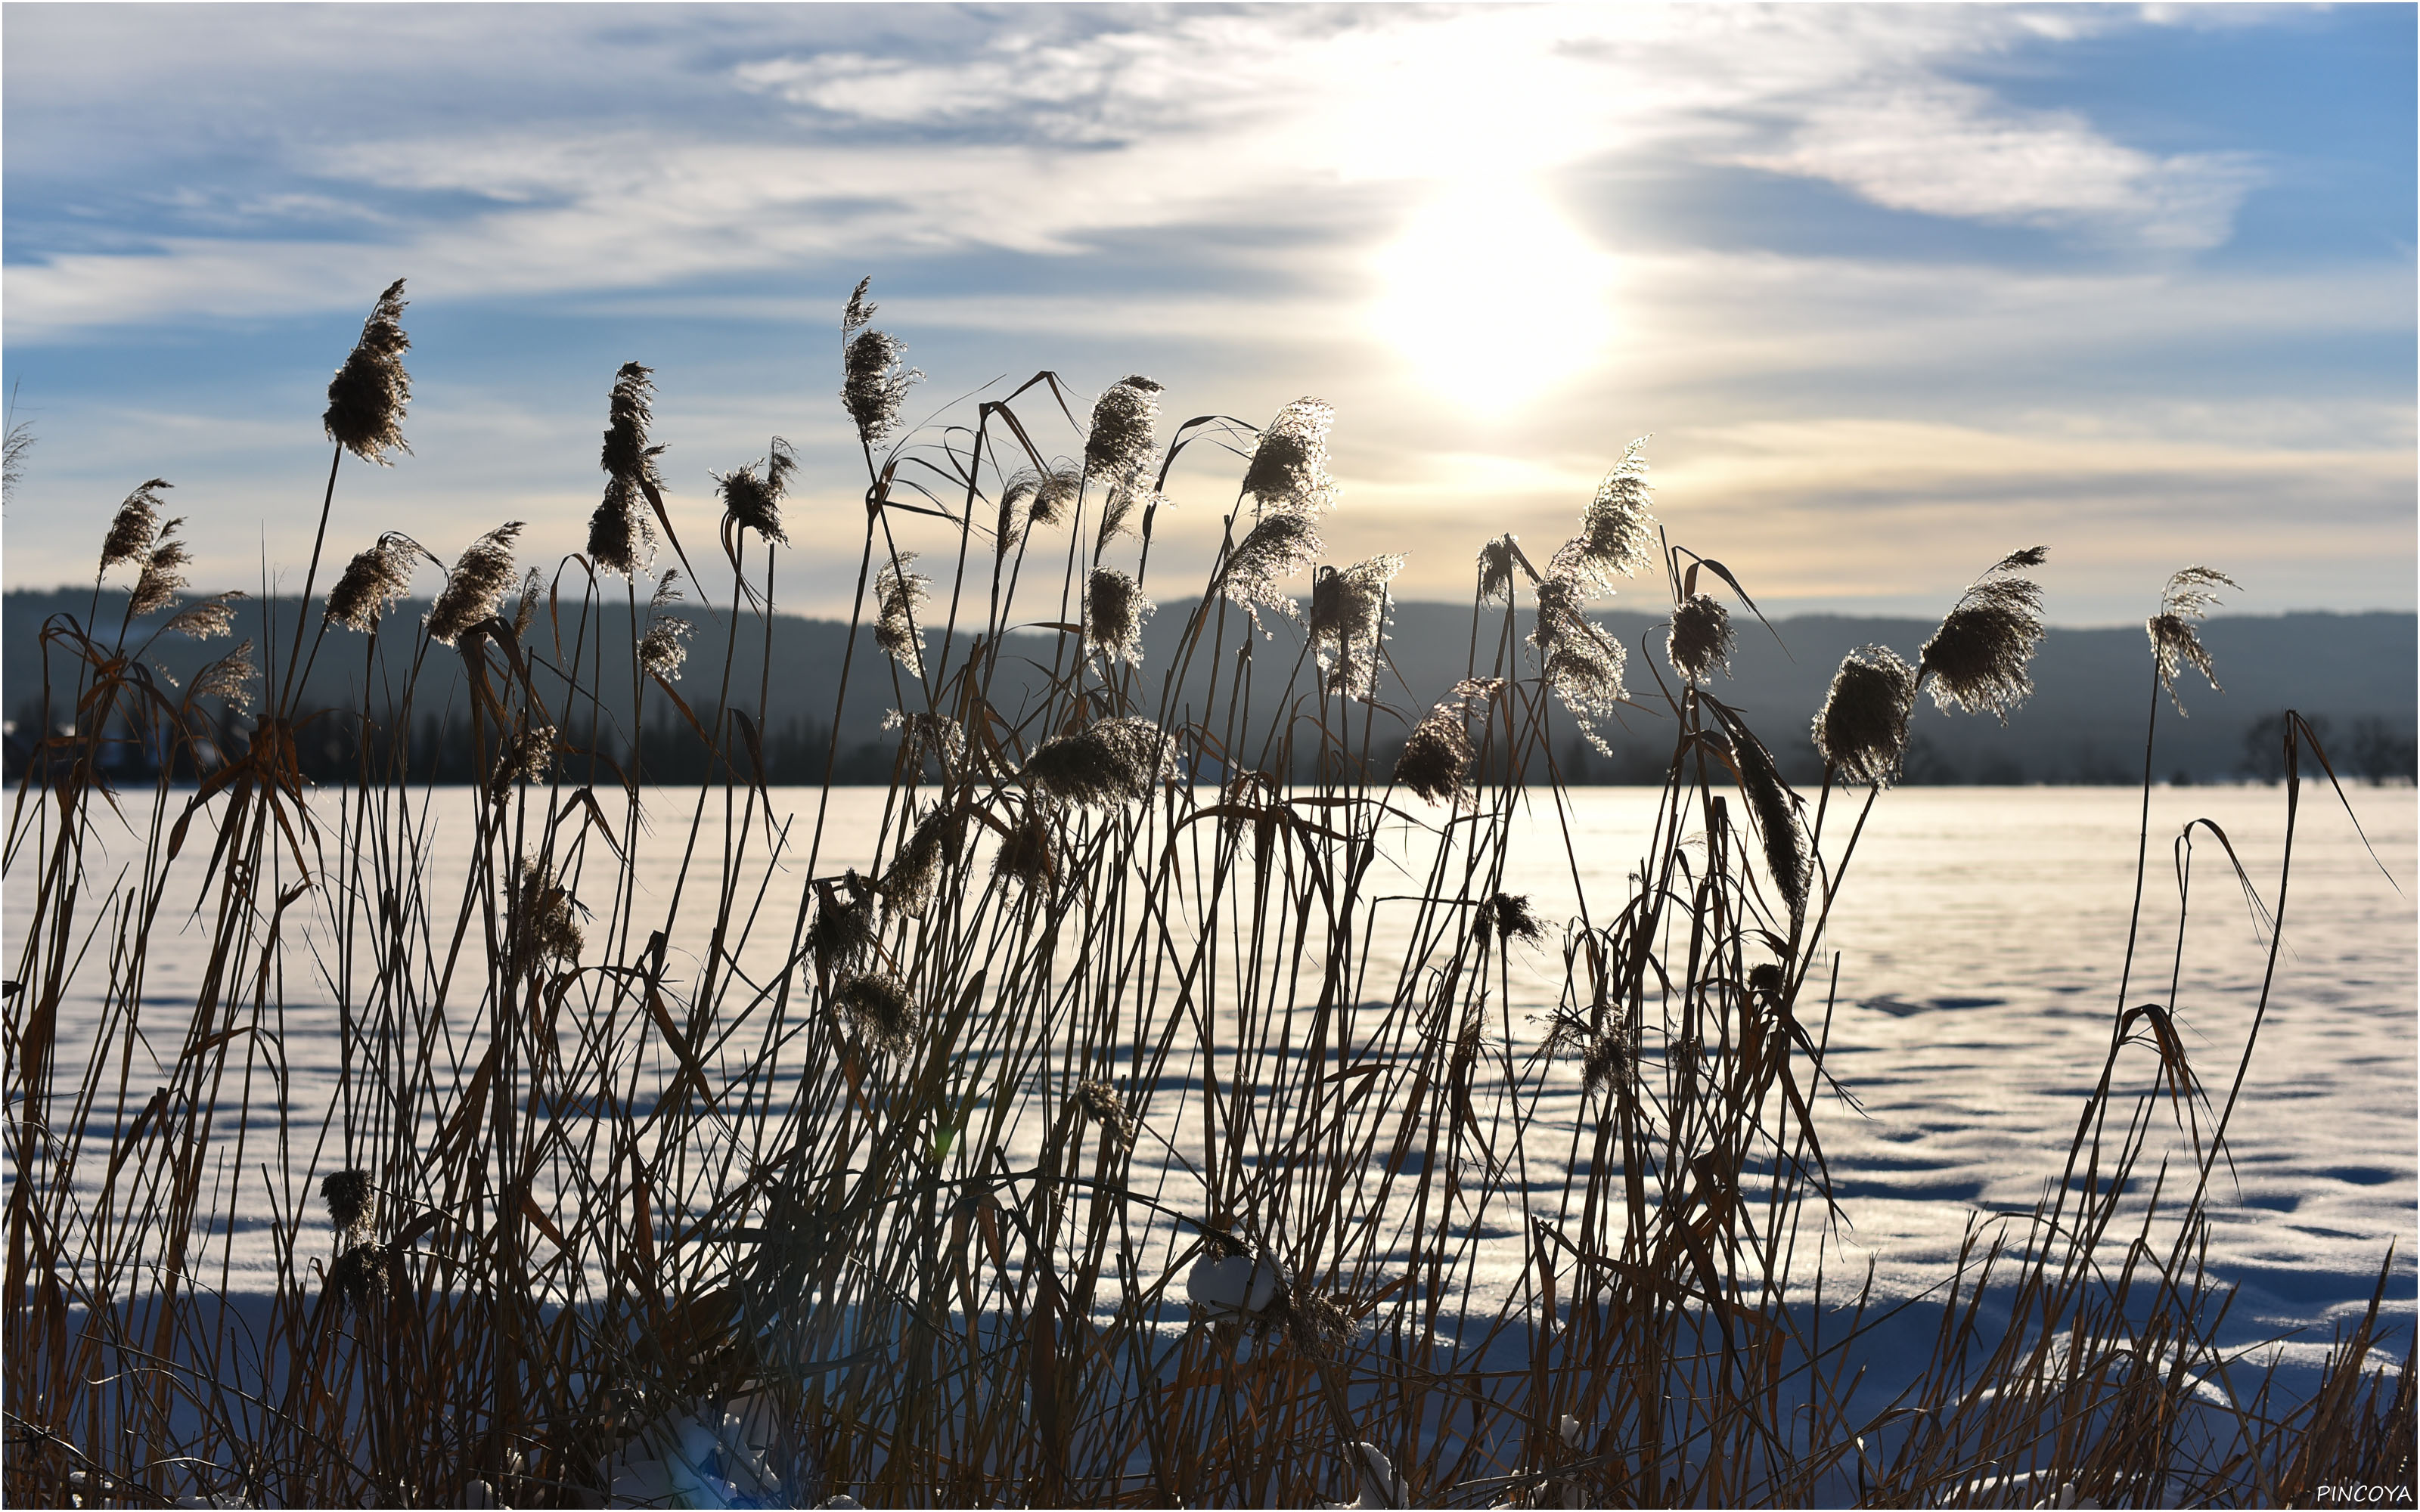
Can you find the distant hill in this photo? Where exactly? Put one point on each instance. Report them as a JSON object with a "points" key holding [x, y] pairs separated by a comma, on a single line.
{"points": [[2084, 724]]}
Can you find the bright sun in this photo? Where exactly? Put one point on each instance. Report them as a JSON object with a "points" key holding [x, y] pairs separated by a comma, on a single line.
{"points": [[1493, 296]]}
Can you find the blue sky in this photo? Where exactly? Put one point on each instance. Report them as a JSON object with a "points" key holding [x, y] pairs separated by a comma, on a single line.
{"points": [[1895, 290]]}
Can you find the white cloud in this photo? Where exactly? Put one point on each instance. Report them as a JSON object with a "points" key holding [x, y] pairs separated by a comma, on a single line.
{"points": [[1948, 150], [1034, 140]]}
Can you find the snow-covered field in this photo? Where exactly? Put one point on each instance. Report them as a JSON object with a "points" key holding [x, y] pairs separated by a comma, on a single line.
{"points": [[1980, 938]]}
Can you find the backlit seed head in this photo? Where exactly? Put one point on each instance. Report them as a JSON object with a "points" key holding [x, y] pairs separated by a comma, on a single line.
{"points": [[621, 540], [131, 527], [915, 874], [1101, 1104], [1775, 809], [1580, 659], [927, 739], [477, 585], [1028, 856], [877, 1008], [2174, 643], [372, 582], [874, 385], [1862, 728], [209, 620], [1348, 621], [1701, 638], [1437, 754], [1119, 445], [1602, 1063], [1977, 659], [753, 503], [1510, 917], [543, 930], [229, 678], [352, 1202], [1106, 762], [1280, 546], [1288, 472], [666, 646], [896, 593], [1618, 530], [627, 454], [525, 612], [843, 933], [526, 756], [368, 396], [365, 1276], [163, 573], [1496, 569], [1114, 609]]}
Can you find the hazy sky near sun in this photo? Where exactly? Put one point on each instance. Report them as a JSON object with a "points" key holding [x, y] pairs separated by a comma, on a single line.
{"points": [[1895, 290]]}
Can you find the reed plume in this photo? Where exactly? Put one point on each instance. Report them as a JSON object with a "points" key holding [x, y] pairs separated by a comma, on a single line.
{"points": [[1280, 546], [927, 736], [368, 396], [750, 502], [209, 620], [526, 756], [372, 582], [1106, 762], [525, 612], [477, 585], [1348, 609], [666, 646], [621, 539], [877, 1008], [1861, 727], [13, 452], [1510, 917], [132, 528], [1119, 445], [1976, 658], [1114, 609], [164, 571], [1288, 472], [2175, 644], [1775, 809], [1101, 1104], [1437, 753], [544, 932], [1028, 854], [1701, 638], [1496, 568], [1618, 530], [229, 678], [1580, 661], [843, 933], [352, 1202], [915, 874], [874, 385], [897, 592]]}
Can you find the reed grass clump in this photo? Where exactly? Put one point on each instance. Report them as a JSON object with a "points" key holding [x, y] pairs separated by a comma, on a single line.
{"points": [[1133, 1104]]}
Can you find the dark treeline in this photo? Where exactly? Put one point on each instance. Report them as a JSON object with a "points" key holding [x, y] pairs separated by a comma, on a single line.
{"points": [[2352, 674]]}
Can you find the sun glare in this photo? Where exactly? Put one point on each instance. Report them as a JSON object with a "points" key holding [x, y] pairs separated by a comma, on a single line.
{"points": [[1493, 296]]}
